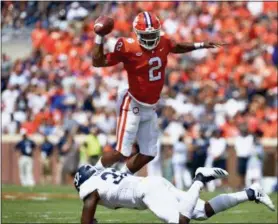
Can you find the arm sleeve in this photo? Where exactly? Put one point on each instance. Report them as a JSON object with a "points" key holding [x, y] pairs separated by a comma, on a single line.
{"points": [[118, 55], [90, 185], [85, 190]]}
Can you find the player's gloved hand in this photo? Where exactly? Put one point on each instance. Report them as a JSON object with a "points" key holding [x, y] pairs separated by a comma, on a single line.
{"points": [[213, 44]]}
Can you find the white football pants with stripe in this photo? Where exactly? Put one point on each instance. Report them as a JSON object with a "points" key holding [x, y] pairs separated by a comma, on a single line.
{"points": [[136, 122]]}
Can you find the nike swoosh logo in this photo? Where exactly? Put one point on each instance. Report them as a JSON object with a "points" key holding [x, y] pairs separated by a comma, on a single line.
{"points": [[161, 49]]}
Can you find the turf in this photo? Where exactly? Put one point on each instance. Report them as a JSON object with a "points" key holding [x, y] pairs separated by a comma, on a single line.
{"points": [[68, 210]]}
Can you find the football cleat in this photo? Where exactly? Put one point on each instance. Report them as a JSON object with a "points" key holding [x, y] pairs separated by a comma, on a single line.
{"points": [[205, 175], [256, 193]]}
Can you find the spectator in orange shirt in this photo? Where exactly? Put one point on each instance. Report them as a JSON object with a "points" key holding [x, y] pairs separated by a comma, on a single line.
{"points": [[38, 35], [42, 116], [63, 44], [270, 6], [29, 127], [269, 128], [48, 43], [229, 129]]}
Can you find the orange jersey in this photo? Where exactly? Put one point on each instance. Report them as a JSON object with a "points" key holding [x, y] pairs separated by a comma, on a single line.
{"points": [[145, 68]]}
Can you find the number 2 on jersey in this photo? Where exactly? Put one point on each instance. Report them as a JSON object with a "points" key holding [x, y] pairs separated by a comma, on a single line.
{"points": [[117, 178], [152, 76]]}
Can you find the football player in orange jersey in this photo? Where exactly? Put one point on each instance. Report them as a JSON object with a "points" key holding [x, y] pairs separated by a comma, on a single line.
{"points": [[145, 58]]}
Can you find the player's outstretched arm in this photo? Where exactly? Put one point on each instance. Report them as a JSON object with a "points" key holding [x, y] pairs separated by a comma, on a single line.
{"points": [[180, 48], [89, 208]]}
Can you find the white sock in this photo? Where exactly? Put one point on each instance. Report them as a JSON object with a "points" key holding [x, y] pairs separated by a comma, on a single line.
{"points": [[225, 201], [99, 165], [187, 207], [126, 170]]}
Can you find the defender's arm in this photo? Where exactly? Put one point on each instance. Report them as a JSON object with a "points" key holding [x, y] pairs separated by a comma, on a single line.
{"points": [[89, 208], [180, 48]]}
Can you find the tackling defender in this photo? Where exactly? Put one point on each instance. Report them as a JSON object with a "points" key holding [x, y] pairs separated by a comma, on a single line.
{"points": [[144, 57], [114, 189]]}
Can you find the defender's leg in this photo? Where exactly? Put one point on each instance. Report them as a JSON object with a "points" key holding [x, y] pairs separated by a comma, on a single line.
{"points": [[161, 201], [220, 203]]}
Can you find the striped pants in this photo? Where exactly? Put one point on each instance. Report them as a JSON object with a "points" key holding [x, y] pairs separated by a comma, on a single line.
{"points": [[136, 122]]}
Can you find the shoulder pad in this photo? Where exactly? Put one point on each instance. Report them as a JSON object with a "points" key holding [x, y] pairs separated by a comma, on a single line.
{"points": [[88, 187]]}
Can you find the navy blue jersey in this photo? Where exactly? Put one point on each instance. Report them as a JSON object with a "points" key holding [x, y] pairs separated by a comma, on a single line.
{"points": [[26, 147], [201, 145], [60, 145], [47, 148]]}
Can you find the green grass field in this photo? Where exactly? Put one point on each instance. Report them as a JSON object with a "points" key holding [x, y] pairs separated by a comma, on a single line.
{"points": [[44, 204]]}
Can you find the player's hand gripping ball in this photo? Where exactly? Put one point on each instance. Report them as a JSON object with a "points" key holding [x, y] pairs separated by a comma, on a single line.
{"points": [[103, 25]]}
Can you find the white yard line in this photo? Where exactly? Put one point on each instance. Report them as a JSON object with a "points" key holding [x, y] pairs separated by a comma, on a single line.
{"points": [[11, 197], [238, 211], [38, 198]]}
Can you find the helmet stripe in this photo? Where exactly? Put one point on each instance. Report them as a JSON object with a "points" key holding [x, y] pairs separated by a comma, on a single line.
{"points": [[148, 19], [151, 24]]}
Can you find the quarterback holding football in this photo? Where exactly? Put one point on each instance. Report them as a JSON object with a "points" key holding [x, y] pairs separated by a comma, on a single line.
{"points": [[144, 56]]}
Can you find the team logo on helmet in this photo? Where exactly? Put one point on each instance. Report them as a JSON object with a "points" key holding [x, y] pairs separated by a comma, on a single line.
{"points": [[83, 173], [77, 178]]}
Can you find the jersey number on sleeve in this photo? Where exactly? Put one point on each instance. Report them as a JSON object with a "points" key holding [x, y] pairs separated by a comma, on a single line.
{"points": [[119, 46], [152, 62], [116, 177]]}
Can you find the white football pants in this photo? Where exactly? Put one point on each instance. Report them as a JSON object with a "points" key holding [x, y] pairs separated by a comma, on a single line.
{"points": [[165, 201], [25, 164], [136, 121]]}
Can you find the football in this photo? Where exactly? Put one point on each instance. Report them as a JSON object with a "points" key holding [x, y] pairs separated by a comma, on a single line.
{"points": [[103, 25]]}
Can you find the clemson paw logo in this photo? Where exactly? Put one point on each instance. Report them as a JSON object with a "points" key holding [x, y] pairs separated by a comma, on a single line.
{"points": [[135, 110]]}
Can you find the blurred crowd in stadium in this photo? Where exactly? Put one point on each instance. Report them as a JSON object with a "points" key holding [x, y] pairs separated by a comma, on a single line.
{"points": [[228, 91]]}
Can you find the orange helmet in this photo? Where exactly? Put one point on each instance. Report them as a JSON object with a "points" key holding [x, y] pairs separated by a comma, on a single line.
{"points": [[147, 29]]}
